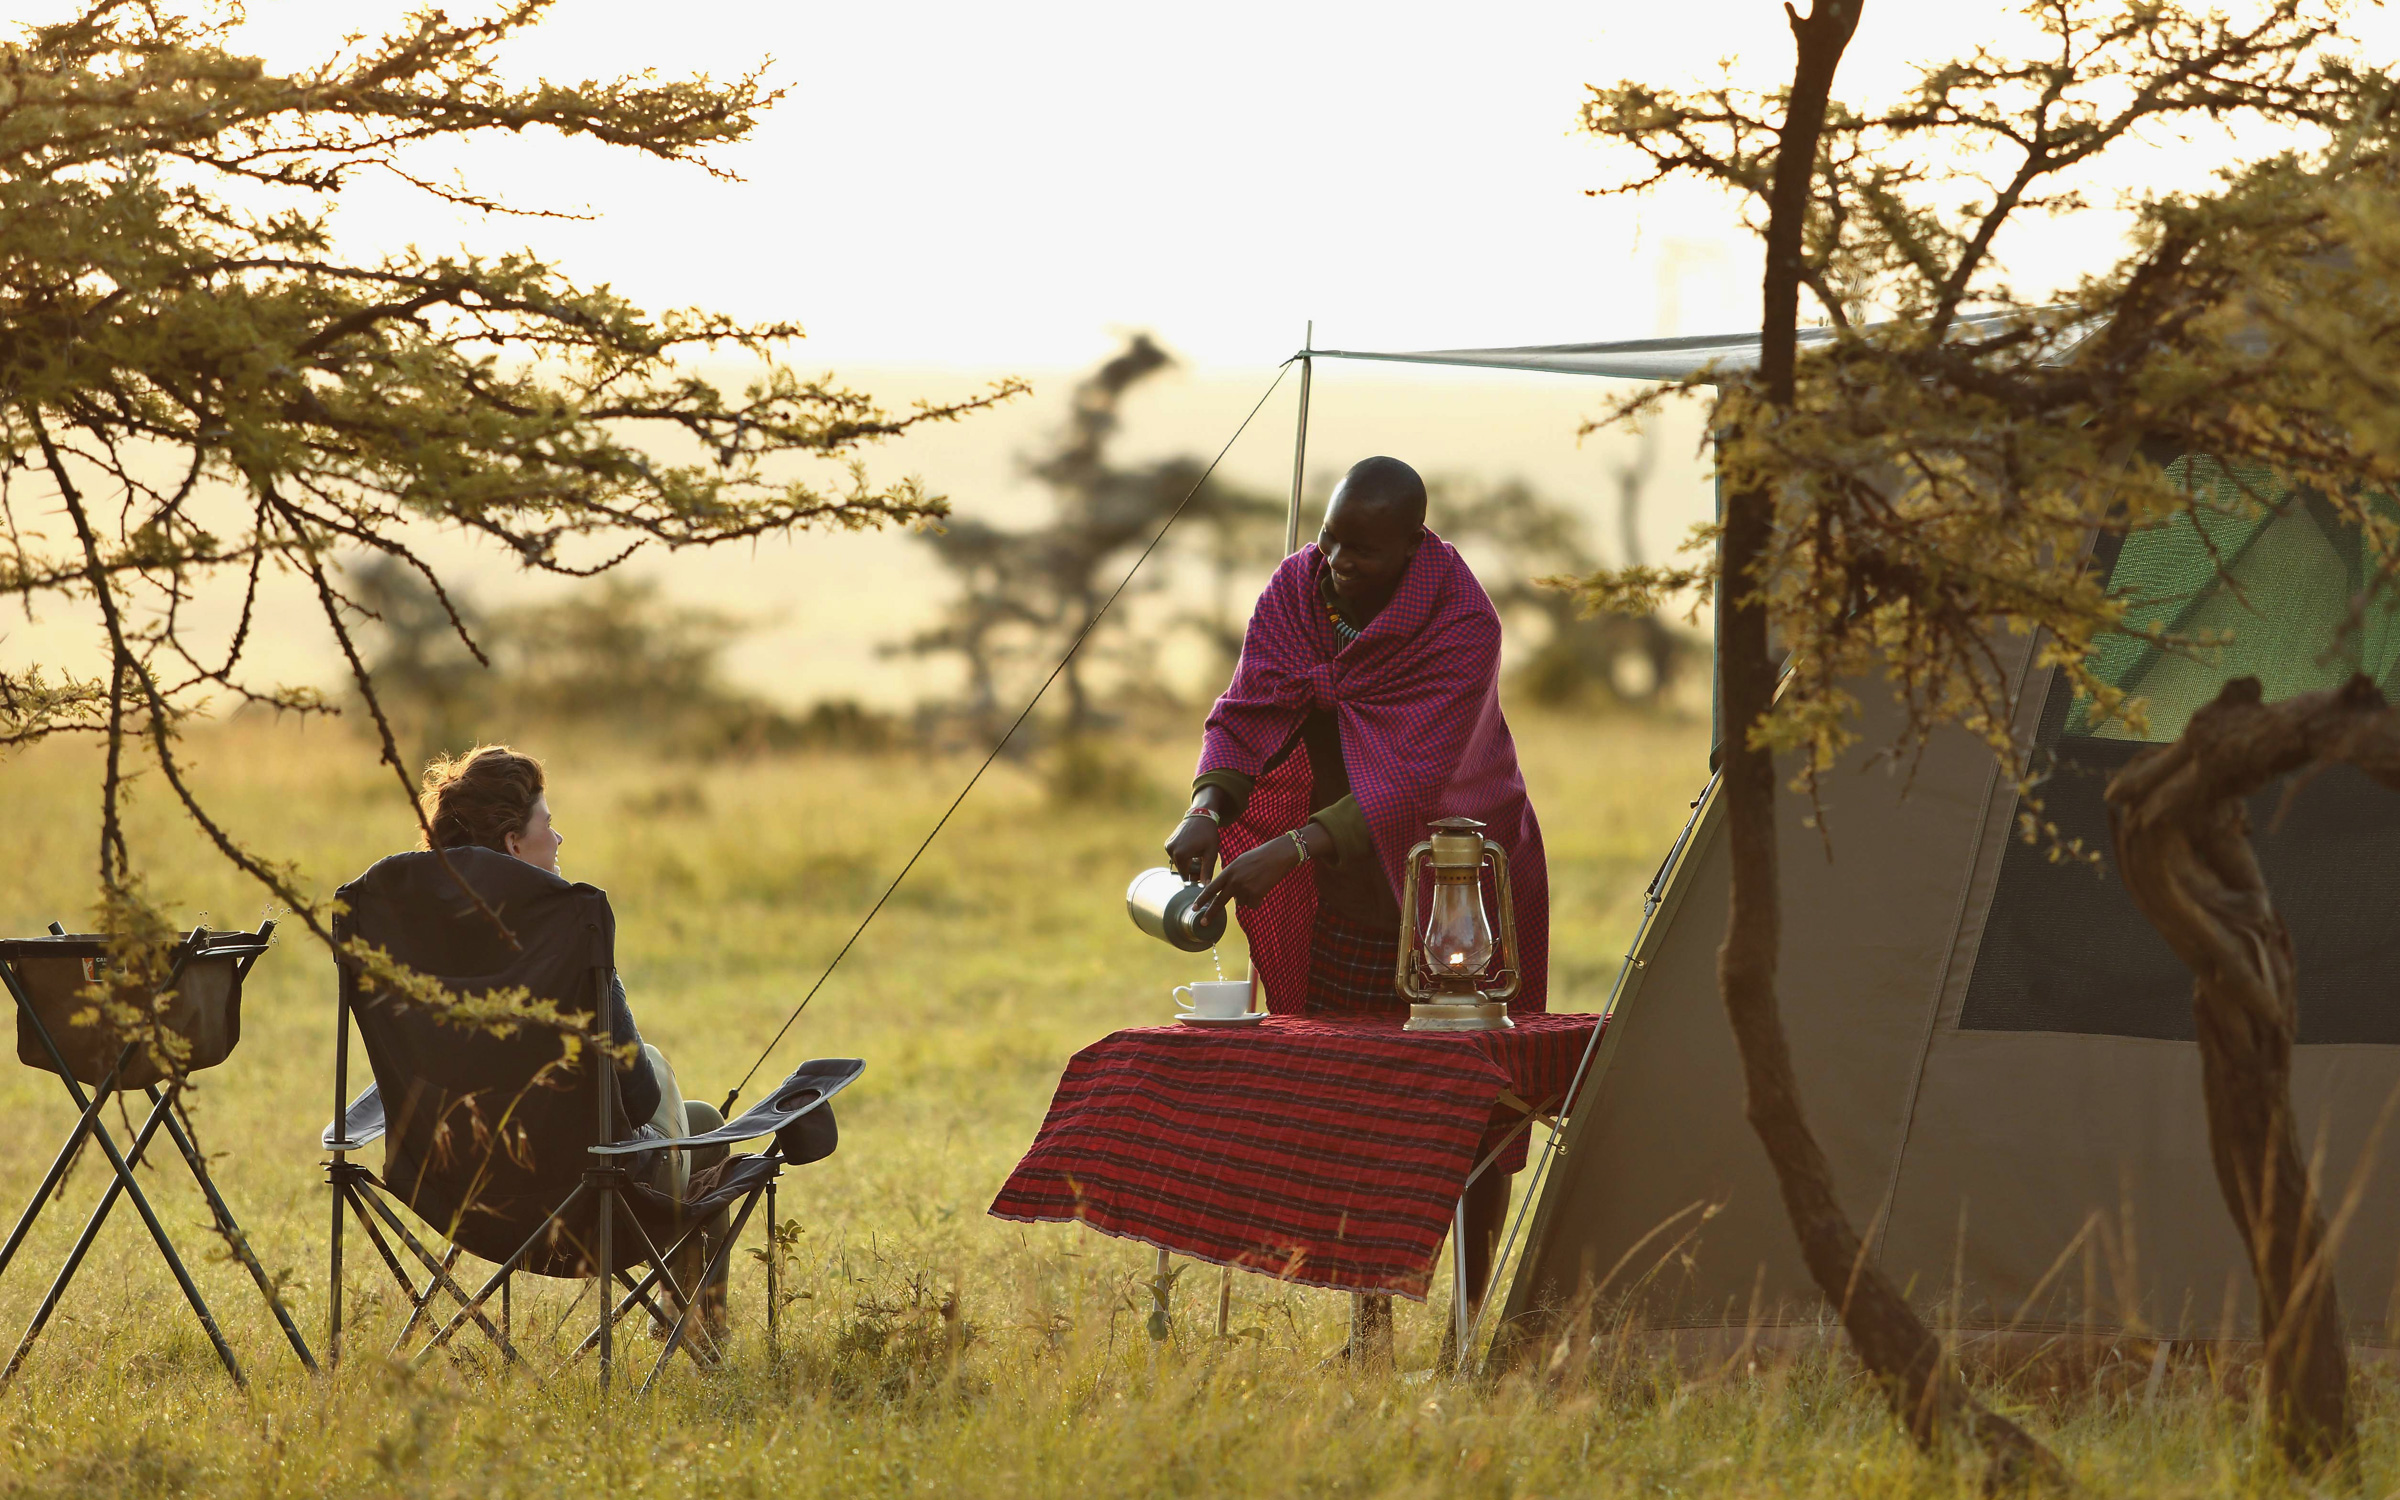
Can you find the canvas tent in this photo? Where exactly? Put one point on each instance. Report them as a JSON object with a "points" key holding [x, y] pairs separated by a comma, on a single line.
{"points": [[1994, 1047]]}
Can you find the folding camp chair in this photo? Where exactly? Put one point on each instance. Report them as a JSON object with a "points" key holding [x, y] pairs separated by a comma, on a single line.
{"points": [[514, 1147], [201, 1001]]}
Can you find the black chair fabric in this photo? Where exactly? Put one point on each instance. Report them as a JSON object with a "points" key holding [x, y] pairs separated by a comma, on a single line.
{"points": [[489, 1133]]}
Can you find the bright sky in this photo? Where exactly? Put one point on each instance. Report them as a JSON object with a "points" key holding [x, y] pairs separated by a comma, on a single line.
{"points": [[981, 185], [957, 190]]}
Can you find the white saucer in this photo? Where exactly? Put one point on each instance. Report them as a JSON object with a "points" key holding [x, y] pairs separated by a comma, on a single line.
{"points": [[1251, 1019]]}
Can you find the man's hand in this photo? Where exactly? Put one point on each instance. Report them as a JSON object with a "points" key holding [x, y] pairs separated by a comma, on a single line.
{"points": [[1192, 847], [1250, 877]]}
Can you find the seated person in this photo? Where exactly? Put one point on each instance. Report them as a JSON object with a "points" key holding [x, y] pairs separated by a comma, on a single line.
{"points": [[493, 797]]}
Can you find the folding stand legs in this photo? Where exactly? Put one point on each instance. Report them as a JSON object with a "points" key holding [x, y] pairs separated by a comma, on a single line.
{"points": [[91, 1232], [231, 1232], [121, 1164]]}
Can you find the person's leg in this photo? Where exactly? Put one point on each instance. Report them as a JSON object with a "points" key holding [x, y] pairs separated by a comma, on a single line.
{"points": [[670, 1119], [700, 1117], [1370, 1345], [674, 1121]]}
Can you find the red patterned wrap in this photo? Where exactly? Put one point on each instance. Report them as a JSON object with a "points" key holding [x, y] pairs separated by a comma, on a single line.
{"points": [[1327, 1153], [1351, 968], [1417, 698]]}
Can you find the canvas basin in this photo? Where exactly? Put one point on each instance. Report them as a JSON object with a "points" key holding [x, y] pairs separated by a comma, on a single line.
{"points": [[204, 1006]]}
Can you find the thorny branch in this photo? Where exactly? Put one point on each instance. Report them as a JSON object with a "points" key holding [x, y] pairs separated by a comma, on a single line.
{"points": [[214, 397]]}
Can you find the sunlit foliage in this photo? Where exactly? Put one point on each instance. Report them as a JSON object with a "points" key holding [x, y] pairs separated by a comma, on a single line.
{"points": [[1957, 438], [202, 390]]}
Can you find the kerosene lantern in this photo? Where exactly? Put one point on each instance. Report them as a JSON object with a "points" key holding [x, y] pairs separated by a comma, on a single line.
{"points": [[1447, 967]]}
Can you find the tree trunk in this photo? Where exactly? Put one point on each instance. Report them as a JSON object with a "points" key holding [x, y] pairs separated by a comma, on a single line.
{"points": [[1895, 1346], [2182, 835]]}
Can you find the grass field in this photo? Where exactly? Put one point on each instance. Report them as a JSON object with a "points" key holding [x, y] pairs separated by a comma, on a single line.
{"points": [[929, 1349]]}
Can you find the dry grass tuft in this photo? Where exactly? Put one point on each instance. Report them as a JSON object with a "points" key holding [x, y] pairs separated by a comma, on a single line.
{"points": [[925, 1348]]}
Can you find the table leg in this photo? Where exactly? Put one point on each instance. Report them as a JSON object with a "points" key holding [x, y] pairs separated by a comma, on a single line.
{"points": [[1160, 1285], [1458, 1286]]}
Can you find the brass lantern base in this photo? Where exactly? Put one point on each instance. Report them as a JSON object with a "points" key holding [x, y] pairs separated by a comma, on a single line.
{"points": [[1459, 1015]]}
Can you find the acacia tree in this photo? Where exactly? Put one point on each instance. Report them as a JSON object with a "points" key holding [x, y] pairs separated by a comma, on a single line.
{"points": [[1921, 484], [202, 391], [1026, 594]]}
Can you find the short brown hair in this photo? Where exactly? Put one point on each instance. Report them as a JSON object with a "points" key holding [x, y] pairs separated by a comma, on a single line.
{"points": [[481, 797]]}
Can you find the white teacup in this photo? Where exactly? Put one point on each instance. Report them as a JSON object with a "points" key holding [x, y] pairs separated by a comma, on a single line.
{"points": [[1214, 999]]}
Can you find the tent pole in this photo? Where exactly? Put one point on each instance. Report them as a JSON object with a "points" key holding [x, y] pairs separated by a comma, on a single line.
{"points": [[1291, 519]]}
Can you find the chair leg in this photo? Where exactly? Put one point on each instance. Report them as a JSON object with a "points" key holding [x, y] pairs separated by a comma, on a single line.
{"points": [[473, 1306], [418, 1297], [662, 1262], [774, 1267], [231, 1232], [608, 1228], [421, 1300], [675, 1334], [637, 1294], [333, 1265], [391, 1262]]}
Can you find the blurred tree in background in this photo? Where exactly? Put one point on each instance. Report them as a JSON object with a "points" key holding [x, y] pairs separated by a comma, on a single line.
{"points": [[617, 659], [1024, 595], [202, 392]]}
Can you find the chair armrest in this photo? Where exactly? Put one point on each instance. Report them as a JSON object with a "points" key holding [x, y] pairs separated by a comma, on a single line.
{"points": [[361, 1124], [806, 1090]]}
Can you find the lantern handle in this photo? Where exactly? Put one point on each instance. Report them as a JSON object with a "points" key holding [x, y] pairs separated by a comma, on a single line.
{"points": [[1508, 921], [1404, 976]]}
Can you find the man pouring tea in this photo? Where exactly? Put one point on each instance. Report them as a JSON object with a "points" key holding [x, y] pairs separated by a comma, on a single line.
{"points": [[1366, 704]]}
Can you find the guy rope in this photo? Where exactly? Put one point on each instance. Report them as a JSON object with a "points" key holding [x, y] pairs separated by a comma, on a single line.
{"points": [[1291, 538]]}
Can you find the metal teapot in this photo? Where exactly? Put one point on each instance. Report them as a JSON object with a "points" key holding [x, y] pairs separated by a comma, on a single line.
{"points": [[1161, 903]]}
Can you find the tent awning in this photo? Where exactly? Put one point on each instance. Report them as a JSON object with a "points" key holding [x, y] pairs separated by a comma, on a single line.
{"points": [[1631, 359], [1667, 359]]}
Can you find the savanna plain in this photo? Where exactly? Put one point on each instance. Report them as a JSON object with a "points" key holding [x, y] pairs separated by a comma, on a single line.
{"points": [[924, 1347]]}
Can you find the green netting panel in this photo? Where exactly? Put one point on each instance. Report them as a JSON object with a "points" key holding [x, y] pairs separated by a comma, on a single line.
{"points": [[2255, 582]]}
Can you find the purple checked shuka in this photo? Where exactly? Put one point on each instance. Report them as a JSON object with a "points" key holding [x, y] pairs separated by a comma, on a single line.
{"points": [[1417, 699]]}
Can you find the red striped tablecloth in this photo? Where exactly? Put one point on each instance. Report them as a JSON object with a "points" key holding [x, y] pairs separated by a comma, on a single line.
{"points": [[1327, 1153]]}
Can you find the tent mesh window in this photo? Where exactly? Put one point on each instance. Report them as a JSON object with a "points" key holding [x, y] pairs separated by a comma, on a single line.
{"points": [[2255, 581]]}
